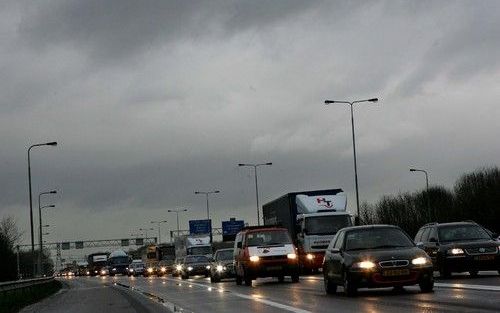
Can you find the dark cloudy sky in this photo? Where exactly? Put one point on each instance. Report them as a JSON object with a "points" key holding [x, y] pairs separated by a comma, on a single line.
{"points": [[152, 100]]}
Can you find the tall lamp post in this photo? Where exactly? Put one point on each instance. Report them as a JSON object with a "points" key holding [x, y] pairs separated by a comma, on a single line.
{"points": [[159, 234], [207, 193], [176, 211], [40, 226], [426, 186], [53, 143], [351, 104], [256, 184]]}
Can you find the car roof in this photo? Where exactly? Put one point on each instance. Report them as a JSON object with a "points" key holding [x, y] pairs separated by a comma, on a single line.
{"points": [[369, 227], [456, 224], [256, 229]]}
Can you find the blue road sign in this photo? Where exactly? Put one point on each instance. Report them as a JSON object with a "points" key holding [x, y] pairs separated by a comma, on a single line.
{"points": [[231, 227], [200, 227]]}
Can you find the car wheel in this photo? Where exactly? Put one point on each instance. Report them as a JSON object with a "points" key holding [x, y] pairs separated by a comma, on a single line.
{"points": [[330, 288], [295, 278], [350, 288], [473, 273], [444, 273], [426, 284]]}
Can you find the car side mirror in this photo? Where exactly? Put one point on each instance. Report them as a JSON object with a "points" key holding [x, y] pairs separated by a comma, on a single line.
{"points": [[238, 245], [420, 245]]}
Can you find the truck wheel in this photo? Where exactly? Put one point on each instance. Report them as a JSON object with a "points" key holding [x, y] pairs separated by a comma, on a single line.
{"points": [[295, 278], [238, 280]]}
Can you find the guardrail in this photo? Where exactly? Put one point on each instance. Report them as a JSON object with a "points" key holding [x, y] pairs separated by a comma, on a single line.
{"points": [[23, 284]]}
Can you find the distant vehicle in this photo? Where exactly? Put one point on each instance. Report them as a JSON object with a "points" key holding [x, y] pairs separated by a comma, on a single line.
{"points": [[264, 251], [193, 245], [150, 258], [136, 268], [222, 265], [118, 262], [195, 265], [167, 258], [375, 256], [97, 263], [82, 268], [460, 247], [312, 218]]}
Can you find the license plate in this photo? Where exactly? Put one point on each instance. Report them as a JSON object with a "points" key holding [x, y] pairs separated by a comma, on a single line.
{"points": [[484, 257], [396, 272], [274, 268]]}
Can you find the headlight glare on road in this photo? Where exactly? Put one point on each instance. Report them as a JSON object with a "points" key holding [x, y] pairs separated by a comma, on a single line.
{"points": [[365, 265], [310, 256], [420, 261], [190, 268], [220, 268], [455, 251], [291, 256], [254, 258]]}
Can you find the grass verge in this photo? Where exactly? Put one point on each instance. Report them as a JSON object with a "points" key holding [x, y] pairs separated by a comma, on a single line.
{"points": [[14, 300]]}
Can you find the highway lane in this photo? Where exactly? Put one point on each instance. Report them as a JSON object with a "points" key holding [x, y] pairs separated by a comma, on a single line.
{"points": [[267, 295], [91, 295]]}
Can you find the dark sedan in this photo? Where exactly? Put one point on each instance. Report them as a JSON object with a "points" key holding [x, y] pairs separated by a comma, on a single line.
{"points": [[222, 266], [195, 265], [375, 256]]}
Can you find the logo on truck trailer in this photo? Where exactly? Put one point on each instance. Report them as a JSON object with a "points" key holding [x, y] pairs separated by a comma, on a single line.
{"points": [[323, 202]]}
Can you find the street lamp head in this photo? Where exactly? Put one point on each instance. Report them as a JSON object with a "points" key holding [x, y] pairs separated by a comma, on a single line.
{"points": [[197, 192], [241, 164], [217, 191], [373, 100], [51, 206], [53, 143], [269, 163], [53, 191], [412, 170], [329, 101]]}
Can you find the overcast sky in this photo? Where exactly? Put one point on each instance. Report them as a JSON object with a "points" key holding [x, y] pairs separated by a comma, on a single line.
{"points": [[152, 100]]}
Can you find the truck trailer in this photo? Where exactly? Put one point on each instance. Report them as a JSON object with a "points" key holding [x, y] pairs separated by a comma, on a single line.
{"points": [[97, 263], [193, 245], [312, 218]]}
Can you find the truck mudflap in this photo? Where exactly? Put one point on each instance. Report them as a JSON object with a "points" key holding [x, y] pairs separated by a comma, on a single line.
{"points": [[311, 261]]}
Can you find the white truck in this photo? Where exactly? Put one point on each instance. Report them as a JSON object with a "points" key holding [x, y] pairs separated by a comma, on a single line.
{"points": [[312, 219], [193, 245]]}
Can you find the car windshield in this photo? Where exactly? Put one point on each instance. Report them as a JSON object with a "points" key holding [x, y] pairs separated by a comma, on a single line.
{"points": [[326, 225], [224, 255], [196, 259], [200, 250], [119, 260], [271, 237], [376, 238], [462, 233]]}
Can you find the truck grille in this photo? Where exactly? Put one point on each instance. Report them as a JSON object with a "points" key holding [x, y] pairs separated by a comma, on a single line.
{"points": [[320, 247], [394, 263], [481, 250]]}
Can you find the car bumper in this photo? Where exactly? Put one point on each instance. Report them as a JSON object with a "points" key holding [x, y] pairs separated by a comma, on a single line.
{"points": [[269, 269], [228, 273], [485, 262], [380, 278]]}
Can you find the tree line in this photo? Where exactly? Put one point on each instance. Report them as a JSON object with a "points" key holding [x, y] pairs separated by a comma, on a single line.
{"points": [[475, 196]]}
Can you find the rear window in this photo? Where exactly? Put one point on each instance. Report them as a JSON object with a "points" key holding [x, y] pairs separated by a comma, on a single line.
{"points": [[268, 237]]}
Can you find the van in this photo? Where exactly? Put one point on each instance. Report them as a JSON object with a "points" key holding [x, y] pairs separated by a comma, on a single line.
{"points": [[264, 251]]}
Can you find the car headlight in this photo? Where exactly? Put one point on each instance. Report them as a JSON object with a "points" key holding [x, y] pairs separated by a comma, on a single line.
{"points": [[220, 268], [114, 269], [310, 256], [178, 267], [103, 272], [207, 267], [455, 251], [364, 265], [420, 261], [150, 270], [291, 256], [163, 269], [190, 268], [254, 258], [130, 269], [88, 273]]}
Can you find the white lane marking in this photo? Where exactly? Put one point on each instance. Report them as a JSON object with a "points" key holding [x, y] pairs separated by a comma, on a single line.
{"points": [[467, 286], [254, 298]]}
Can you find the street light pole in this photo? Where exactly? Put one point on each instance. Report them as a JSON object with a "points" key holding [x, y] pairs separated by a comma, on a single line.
{"points": [[53, 143], [256, 184], [40, 227], [159, 234], [206, 193], [427, 188], [177, 212], [351, 104]]}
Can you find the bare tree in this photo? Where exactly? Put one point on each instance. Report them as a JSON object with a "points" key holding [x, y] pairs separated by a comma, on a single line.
{"points": [[10, 231]]}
